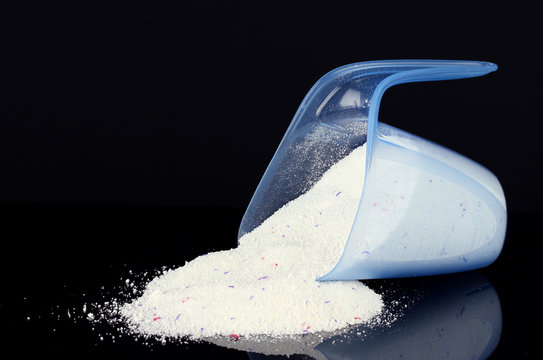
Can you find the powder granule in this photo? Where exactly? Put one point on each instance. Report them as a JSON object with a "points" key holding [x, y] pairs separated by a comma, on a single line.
{"points": [[267, 285]]}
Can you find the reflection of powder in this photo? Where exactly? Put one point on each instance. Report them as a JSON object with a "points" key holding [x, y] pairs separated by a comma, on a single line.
{"points": [[267, 284]]}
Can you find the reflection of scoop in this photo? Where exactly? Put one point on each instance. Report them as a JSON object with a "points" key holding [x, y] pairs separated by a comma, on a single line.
{"points": [[459, 318], [424, 209]]}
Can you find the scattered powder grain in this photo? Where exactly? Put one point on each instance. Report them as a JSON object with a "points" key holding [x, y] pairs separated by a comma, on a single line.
{"points": [[267, 285]]}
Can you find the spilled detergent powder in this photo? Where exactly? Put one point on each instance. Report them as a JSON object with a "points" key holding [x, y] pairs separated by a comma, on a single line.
{"points": [[267, 285]]}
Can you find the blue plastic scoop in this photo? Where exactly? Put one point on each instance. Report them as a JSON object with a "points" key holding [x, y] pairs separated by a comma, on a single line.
{"points": [[424, 209]]}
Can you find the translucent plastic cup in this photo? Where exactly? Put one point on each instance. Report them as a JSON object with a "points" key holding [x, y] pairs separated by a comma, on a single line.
{"points": [[424, 209]]}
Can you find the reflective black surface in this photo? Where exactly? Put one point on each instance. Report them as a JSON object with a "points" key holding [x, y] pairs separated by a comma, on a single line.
{"points": [[57, 258], [457, 316]]}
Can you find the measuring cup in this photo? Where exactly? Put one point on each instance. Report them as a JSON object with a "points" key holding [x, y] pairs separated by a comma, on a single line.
{"points": [[424, 209]]}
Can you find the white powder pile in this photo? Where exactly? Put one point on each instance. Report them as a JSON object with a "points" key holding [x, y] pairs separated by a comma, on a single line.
{"points": [[267, 285]]}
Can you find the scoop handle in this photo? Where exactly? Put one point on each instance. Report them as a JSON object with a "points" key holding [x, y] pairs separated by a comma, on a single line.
{"points": [[373, 78]]}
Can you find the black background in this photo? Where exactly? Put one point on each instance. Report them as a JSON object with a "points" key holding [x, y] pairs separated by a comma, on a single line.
{"points": [[142, 122], [184, 103]]}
